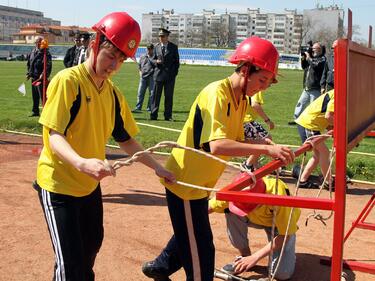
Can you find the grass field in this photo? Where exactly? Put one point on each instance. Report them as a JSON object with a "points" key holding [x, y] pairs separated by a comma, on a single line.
{"points": [[280, 100]]}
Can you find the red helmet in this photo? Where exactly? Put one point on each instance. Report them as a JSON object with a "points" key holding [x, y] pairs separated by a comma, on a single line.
{"points": [[242, 209], [122, 30], [257, 51]]}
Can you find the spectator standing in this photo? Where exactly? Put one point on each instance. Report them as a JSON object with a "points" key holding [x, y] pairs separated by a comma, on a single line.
{"points": [[167, 63], [146, 79], [315, 65], [80, 55], [70, 53], [327, 81], [35, 71]]}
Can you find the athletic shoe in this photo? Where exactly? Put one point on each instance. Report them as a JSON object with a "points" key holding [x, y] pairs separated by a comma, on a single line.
{"points": [[307, 184], [296, 170], [228, 268], [246, 167], [153, 270], [136, 110]]}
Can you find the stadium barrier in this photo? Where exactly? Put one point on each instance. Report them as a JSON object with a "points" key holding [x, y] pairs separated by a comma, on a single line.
{"points": [[191, 56]]}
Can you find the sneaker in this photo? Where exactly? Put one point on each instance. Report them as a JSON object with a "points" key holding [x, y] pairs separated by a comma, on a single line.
{"points": [[326, 186], [169, 119], [307, 184], [152, 270], [296, 170], [246, 167], [34, 115], [136, 110], [292, 123], [228, 268]]}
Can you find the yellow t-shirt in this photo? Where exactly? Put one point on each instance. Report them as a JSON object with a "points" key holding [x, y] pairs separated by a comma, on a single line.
{"points": [[313, 117], [262, 214], [251, 114], [215, 114], [87, 117]]}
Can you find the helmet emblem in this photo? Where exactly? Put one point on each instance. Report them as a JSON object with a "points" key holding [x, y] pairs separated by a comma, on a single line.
{"points": [[131, 44]]}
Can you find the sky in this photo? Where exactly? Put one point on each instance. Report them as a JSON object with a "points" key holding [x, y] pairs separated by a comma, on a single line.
{"points": [[87, 13]]}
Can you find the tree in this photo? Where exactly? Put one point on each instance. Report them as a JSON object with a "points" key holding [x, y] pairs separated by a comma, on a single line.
{"points": [[219, 34], [306, 29]]}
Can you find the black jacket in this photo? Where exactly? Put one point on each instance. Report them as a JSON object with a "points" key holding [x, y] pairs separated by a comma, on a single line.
{"points": [[35, 63], [315, 66], [168, 69], [327, 81], [69, 56]]}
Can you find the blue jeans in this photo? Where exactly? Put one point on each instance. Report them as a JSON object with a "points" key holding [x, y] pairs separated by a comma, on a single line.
{"points": [[307, 97], [237, 230], [145, 83]]}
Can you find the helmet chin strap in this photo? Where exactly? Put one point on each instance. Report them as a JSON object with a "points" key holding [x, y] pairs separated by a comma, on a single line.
{"points": [[247, 73], [95, 49]]}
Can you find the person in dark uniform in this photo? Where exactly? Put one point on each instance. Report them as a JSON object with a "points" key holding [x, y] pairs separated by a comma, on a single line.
{"points": [[70, 53], [35, 68], [80, 54], [167, 62]]}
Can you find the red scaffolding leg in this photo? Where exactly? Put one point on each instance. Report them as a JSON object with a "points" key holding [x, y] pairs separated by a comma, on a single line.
{"points": [[359, 223]]}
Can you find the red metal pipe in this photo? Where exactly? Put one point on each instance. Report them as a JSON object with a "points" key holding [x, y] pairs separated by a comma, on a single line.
{"points": [[266, 169], [44, 76], [340, 142], [364, 213]]}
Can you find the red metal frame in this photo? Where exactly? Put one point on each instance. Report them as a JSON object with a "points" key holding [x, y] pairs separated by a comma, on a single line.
{"points": [[231, 191], [340, 143], [359, 223]]}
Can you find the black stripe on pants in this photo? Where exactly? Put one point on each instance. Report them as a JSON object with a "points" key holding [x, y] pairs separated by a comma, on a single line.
{"points": [[75, 225], [193, 235]]}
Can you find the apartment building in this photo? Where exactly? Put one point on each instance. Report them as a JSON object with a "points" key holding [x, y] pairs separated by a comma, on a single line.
{"points": [[12, 19], [323, 23], [209, 29]]}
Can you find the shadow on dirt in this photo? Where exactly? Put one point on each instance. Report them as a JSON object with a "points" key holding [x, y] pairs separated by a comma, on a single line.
{"points": [[139, 197]]}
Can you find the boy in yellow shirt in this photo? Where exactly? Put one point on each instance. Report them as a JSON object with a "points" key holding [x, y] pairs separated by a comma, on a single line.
{"points": [[261, 216], [313, 121], [215, 125], [83, 110]]}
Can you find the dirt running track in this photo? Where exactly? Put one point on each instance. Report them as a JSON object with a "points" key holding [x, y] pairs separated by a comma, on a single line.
{"points": [[137, 224]]}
